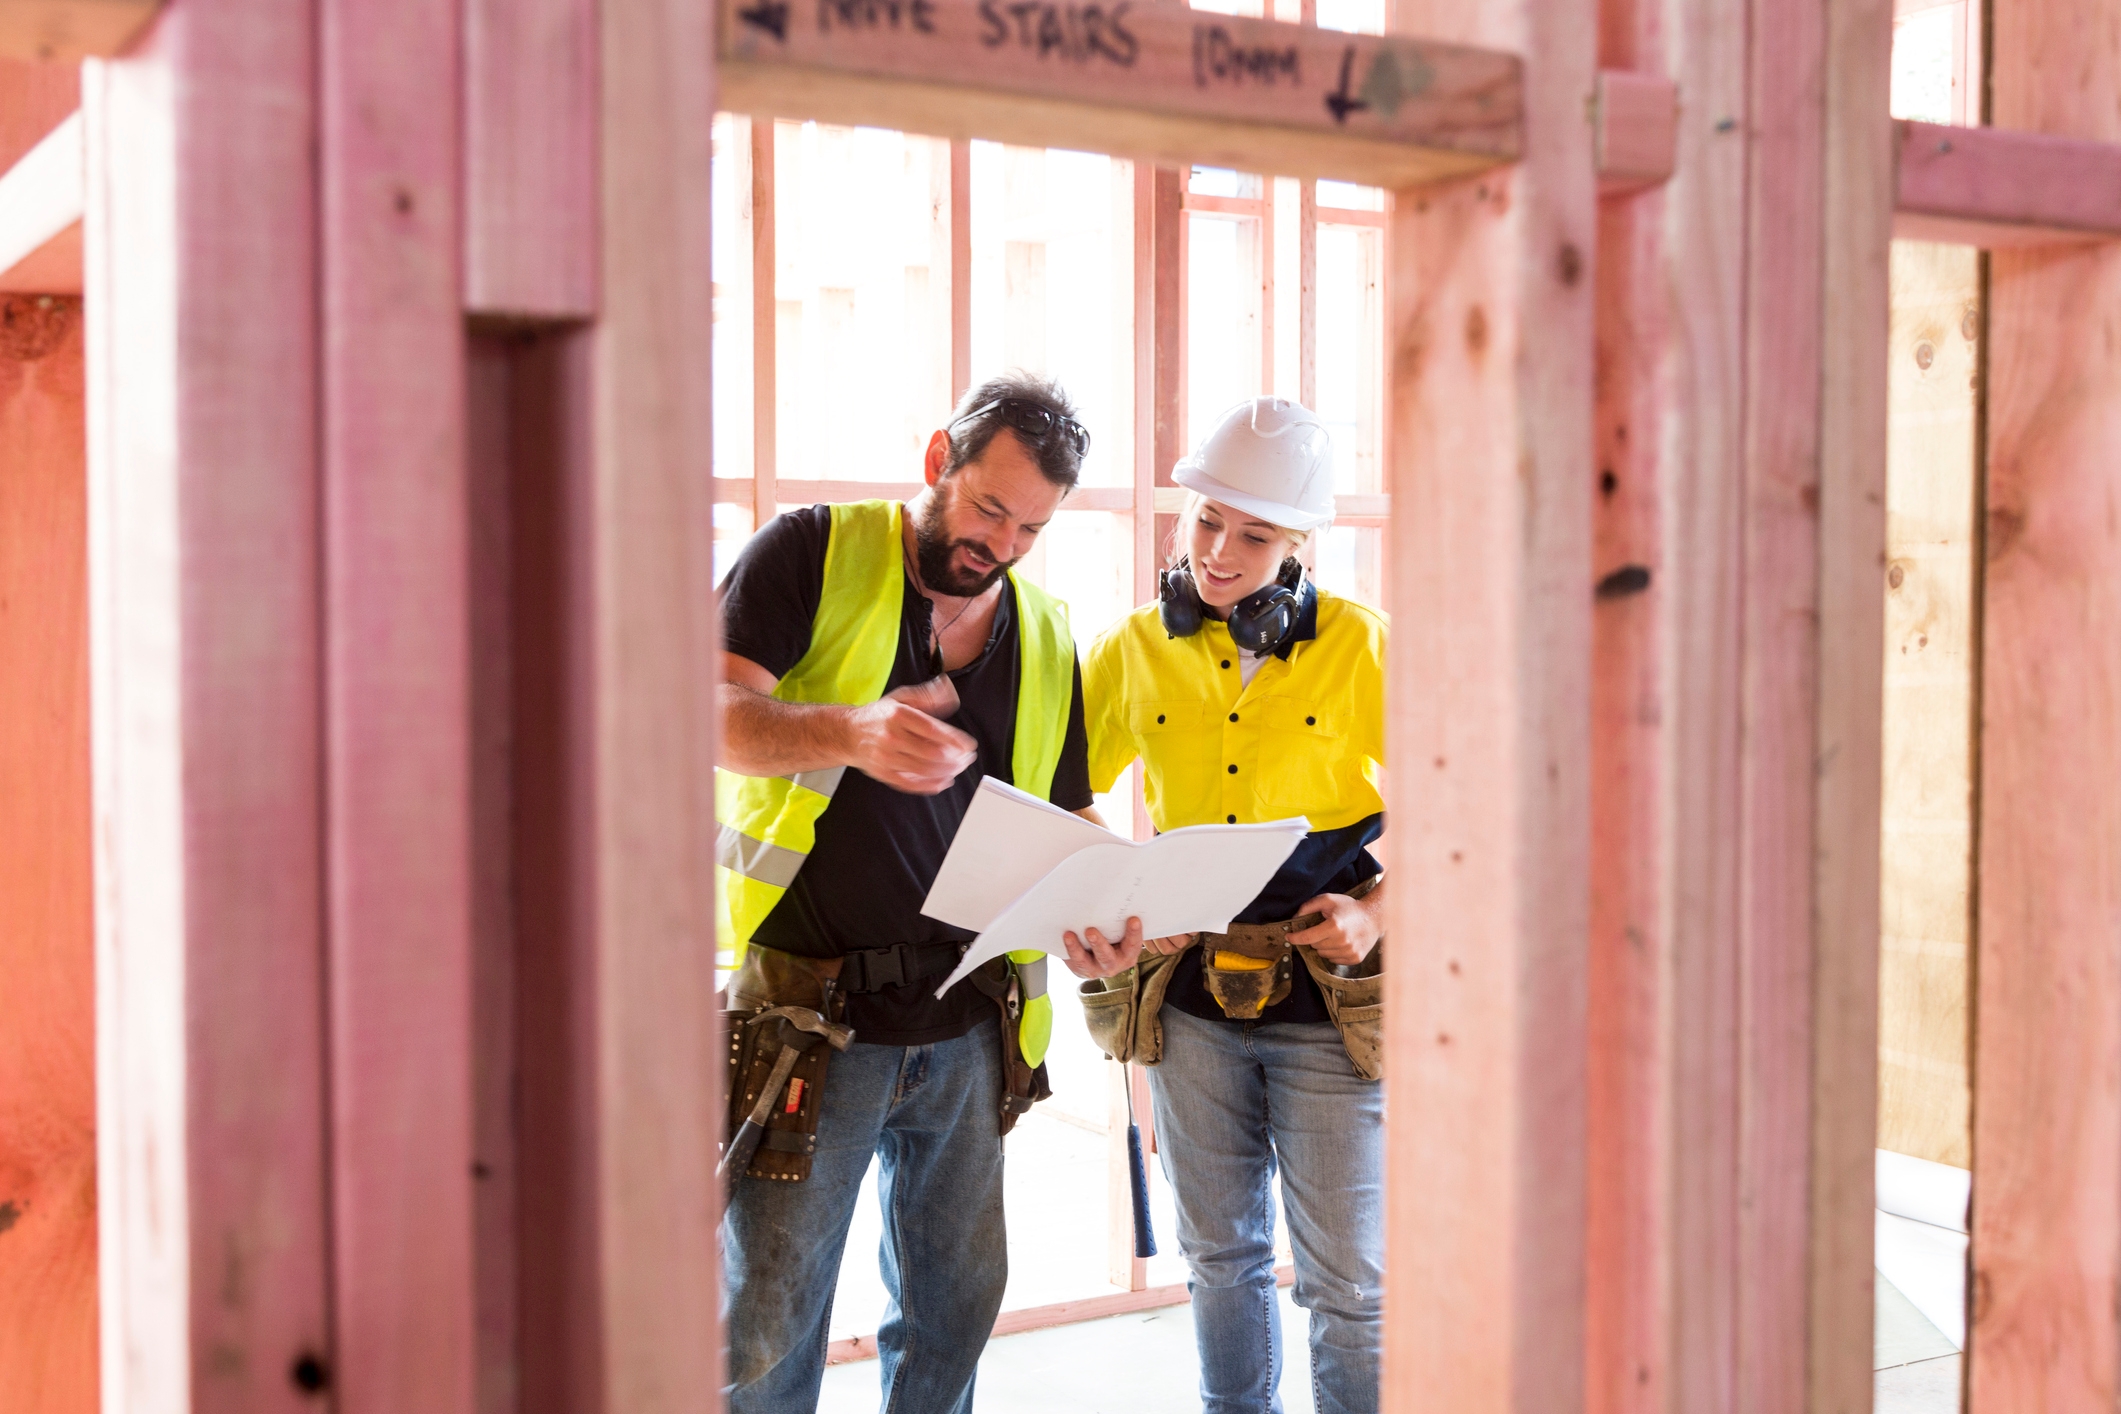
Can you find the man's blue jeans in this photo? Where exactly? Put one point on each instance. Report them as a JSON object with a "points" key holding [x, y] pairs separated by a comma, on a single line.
{"points": [[1234, 1101], [932, 1116]]}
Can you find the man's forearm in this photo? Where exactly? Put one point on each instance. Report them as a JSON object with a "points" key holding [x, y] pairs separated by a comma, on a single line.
{"points": [[763, 736]]}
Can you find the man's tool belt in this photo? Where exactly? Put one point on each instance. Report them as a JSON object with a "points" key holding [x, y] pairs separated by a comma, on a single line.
{"points": [[1246, 970], [768, 980]]}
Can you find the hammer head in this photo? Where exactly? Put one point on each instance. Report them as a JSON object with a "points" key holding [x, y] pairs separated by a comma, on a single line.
{"points": [[802, 1028]]}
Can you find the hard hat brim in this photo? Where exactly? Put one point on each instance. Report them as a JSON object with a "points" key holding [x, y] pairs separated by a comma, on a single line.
{"points": [[1190, 476]]}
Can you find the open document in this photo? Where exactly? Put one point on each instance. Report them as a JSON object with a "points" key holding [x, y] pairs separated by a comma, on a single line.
{"points": [[1022, 871]]}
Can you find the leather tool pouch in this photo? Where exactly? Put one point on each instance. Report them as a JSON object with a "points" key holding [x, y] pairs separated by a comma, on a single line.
{"points": [[1023, 1085], [1355, 999], [1123, 1011], [767, 979], [1249, 968]]}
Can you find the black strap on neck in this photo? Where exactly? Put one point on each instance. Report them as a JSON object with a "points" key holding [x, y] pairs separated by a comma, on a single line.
{"points": [[873, 969]]}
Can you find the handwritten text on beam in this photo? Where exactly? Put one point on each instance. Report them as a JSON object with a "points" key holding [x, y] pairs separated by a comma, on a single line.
{"points": [[1091, 73]]}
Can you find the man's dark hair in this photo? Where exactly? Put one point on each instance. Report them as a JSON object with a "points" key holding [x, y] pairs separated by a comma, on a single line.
{"points": [[1055, 453]]}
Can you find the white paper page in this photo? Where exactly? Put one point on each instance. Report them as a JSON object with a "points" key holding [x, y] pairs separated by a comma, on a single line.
{"points": [[1007, 842], [1188, 881]]}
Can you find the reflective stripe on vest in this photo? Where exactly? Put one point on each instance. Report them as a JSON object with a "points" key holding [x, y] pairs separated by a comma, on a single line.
{"points": [[769, 823]]}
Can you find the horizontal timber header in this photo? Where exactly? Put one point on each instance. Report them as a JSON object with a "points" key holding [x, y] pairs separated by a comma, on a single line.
{"points": [[1995, 187], [1140, 80]]}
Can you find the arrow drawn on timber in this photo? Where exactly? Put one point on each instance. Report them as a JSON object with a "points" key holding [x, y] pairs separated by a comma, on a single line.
{"points": [[768, 15], [1340, 103]]}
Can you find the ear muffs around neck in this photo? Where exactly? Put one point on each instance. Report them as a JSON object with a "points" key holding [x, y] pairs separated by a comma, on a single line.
{"points": [[1262, 622]]}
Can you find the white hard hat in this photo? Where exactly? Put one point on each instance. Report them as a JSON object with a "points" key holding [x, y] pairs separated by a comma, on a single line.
{"points": [[1267, 457]]}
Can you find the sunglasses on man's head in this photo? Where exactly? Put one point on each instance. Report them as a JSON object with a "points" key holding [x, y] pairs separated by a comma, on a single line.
{"points": [[1035, 420]]}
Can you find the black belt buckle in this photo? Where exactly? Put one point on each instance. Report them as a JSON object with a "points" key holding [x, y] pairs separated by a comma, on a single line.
{"points": [[876, 968]]}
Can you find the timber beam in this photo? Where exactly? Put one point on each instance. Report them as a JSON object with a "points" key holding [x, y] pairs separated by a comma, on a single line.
{"points": [[1997, 188], [1159, 82]]}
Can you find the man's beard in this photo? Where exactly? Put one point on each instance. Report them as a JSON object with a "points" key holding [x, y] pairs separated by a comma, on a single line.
{"points": [[936, 556]]}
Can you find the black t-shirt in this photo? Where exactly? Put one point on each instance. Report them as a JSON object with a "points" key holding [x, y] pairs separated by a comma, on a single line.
{"points": [[878, 849]]}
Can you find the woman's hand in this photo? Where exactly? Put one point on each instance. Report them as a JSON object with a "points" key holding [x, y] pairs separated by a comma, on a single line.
{"points": [[1093, 955], [1351, 927]]}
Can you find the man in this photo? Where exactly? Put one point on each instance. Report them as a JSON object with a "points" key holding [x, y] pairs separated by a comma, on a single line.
{"points": [[880, 660]]}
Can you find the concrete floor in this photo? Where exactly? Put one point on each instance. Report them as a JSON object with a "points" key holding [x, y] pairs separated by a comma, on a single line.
{"points": [[1144, 1363]]}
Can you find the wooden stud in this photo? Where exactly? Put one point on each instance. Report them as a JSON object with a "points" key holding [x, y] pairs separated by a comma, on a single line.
{"points": [[529, 158], [205, 666], [68, 31], [1143, 323], [397, 708], [765, 317], [960, 269], [1842, 769], [1691, 1107], [653, 669], [47, 941], [1627, 1308], [1159, 82], [1307, 307], [2047, 1014], [1491, 416]]}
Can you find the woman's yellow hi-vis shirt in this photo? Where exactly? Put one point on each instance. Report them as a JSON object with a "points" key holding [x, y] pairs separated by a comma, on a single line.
{"points": [[1305, 738]]}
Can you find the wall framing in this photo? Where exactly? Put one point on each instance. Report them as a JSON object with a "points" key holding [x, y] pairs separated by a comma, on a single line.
{"points": [[217, 759]]}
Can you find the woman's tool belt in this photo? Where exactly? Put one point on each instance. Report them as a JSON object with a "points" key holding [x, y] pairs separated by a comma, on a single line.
{"points": [[778, 1010], [1246, 970]]}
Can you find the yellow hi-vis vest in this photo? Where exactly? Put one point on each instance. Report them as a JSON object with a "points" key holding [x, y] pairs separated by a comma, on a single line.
{"points": [[769, 823]]}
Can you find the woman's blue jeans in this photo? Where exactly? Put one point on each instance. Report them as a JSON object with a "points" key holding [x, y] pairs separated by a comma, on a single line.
{"points": [[1234, 1101]]}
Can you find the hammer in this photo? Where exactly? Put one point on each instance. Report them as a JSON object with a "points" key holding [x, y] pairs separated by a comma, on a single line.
{"points": [[799, 1028]]}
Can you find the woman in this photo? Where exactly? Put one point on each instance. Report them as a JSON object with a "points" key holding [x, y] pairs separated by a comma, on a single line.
{"points": [[1248, 696]]}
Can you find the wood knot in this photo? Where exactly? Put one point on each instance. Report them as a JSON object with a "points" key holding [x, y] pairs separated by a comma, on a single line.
{"points": [[31, 326], [1477, 329], [1569, 264]]}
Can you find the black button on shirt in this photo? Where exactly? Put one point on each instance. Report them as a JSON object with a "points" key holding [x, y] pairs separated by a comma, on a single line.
{"points": [[878, 849]]}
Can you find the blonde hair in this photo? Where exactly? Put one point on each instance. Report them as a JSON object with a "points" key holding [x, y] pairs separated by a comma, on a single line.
{"points": [[1298, 539]]}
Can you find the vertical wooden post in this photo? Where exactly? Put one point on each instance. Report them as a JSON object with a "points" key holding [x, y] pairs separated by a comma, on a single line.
{"points": [[1144, 325], [765, 326], [653, 671], [960, 268], [47, 945], [2047, 1027], [1736, 797], [397, 708], [1491, 339], [1840, 768], [204, 671], [1626, 1129], [1307, 307]]}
